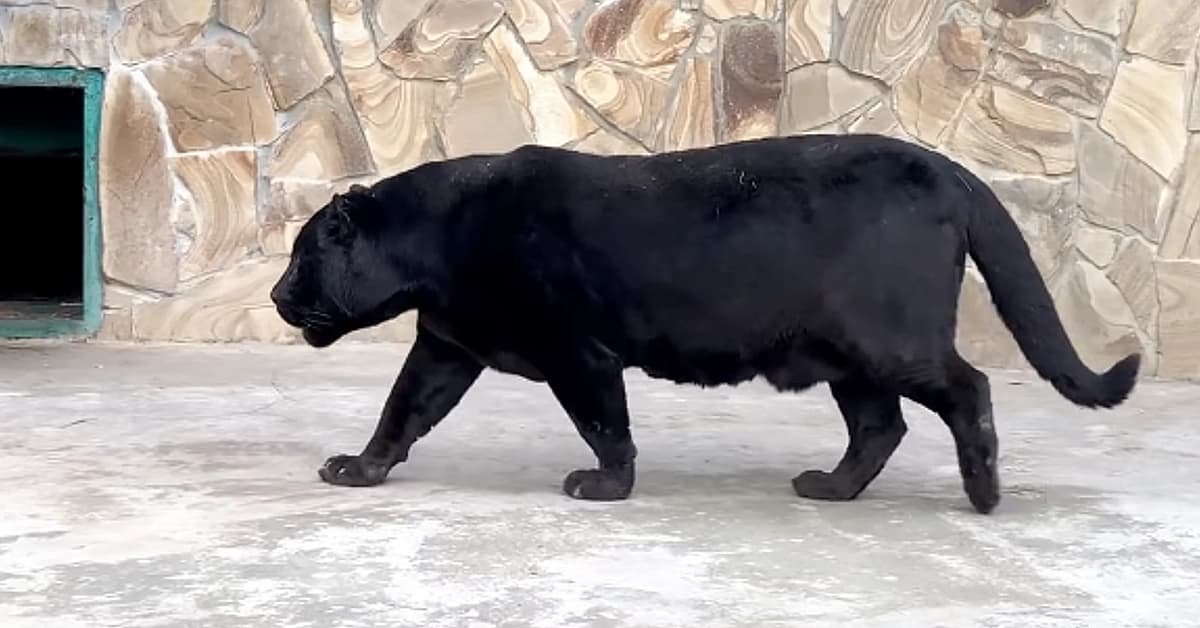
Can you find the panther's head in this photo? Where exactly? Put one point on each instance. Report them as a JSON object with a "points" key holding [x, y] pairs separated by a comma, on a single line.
{"points": [[347, 270]]}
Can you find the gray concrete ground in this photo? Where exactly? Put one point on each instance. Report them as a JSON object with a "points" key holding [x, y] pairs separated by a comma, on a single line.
{"points": [[176, 486]]}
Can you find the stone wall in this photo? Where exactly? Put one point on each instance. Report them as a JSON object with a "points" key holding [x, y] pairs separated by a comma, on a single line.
{"points": [[226, 123]]}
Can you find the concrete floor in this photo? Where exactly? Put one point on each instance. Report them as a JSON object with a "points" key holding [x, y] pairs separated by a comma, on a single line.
{"points": [[177, 486]]}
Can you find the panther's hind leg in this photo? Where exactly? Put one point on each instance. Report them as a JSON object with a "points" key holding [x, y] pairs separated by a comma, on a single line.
{"points": [[875, 428]]}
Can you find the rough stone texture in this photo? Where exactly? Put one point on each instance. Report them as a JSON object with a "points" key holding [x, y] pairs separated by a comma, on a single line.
{"points": [[628, 99], [223, 187], [155, 27], [809, 33], [443, 40], [136, 188], [820, 94], [751, 84], [325, 142], [1179, 320], [215, 96], [1006, 129], [931, 94], [641, 32], [1145, 112], [51, 36], [1051, 61], [1165, 30], [1082, 115], [882, 37], [292, 50], [1117, 190]]}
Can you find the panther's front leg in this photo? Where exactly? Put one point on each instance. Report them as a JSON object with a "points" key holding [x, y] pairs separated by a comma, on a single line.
{"points": [[435, 376]]}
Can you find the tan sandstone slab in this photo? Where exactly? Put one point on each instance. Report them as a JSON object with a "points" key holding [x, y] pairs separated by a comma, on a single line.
{"points": [[1117, 190], [156, 27], [1056, 63], [691, 120], [631, 100], [981, 336], [1145, 112], [324, 141], [223, 186], [1194, 118], [1179, 320], [43, 35], [880, 38], [1045, 211], [1097, 244], [1165, 30], [1132, 272], [809, 25], [729, 9], [396, 116], [641, 32], [443, 39], [1004, 128], [241, 15], [215, 96], [878, 119], [751, 77], [292, 51], [231, 306], [931, 93], [1182, 238], [605, 142], [484, 117], [1104, 16], [545, 27], [821, 93], [392, 17], [1097, 317], [554, 119], [136, 188]]}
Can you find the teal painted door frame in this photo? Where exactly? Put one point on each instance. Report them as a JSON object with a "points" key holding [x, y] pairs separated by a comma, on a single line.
{"points": [[91, 81]]}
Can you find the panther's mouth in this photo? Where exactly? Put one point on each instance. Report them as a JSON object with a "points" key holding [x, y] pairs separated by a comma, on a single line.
{"points": [[319, 337]]}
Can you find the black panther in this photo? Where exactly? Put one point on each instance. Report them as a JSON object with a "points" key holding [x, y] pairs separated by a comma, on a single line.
{"points": [[799, 260]]}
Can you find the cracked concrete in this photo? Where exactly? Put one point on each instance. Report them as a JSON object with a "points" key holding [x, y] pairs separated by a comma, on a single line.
{"points": [[176, 486]]}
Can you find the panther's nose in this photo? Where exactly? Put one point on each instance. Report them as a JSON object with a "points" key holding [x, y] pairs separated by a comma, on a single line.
{"points": [[277, 296]]}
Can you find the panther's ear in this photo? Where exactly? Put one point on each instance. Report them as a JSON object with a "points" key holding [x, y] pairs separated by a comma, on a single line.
{"points": [[352, 207]]}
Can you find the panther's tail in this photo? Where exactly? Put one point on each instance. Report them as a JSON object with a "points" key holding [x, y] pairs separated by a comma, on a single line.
{"points": [[1025, 306]]}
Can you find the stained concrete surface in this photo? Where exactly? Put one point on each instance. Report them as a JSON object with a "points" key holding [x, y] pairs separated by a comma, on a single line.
{"points": [[176, 486]]}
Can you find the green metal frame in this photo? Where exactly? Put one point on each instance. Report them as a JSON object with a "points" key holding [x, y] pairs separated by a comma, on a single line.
{"points": [[91, 81]]}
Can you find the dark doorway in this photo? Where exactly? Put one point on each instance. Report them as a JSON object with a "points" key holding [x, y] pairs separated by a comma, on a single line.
{"points": [[41, 203]]}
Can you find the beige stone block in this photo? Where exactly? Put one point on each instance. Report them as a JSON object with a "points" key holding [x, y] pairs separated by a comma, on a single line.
{"points": [[443, 40], [223, 186], [396, 116], [1145, 112], [1056, 63], [1194, 118], [981, 336], [296, 199], [641, 32], [730, 9], [1097, 244], [392, 17], [691, 117], [604, 142], [292, 51], [1182, 238], [1044, 210], [819, 94], [931, 93], [1132, 272], [1179, 320], [230, 306], [215, 96], [1165, 30], [116, 325], [809, 25], [277, 238], [1105, 16], [324, 142], [1004, 128], [485, 117], [241, 15], [878, 119], [546, 31], [156, 27], [1117, 190], [1019, 8], [881, 38], [554, 119], [44, 35], [1097, 318], [629, 99], [401, 330], [136, 188], [751, 80]]}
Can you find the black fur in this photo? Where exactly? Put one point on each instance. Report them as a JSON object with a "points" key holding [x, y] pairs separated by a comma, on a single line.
{"points": [[799, 260]]}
